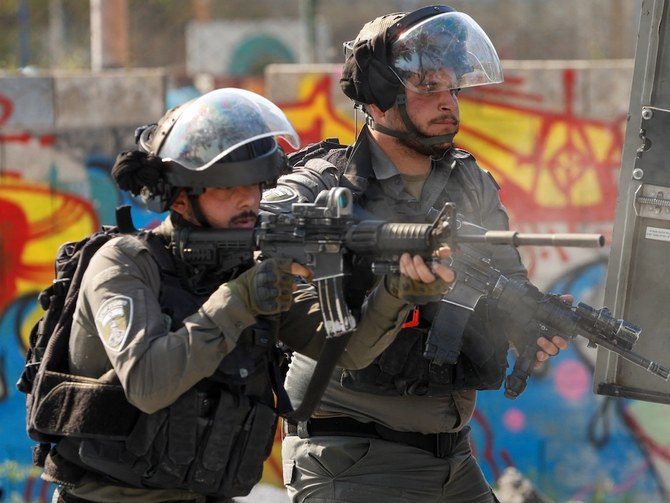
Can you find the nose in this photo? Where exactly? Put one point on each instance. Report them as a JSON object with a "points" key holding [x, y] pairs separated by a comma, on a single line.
{"points": [[448, 100]]}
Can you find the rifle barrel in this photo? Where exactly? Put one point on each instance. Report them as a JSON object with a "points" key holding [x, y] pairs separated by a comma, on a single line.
{"points": [[515, 238]]}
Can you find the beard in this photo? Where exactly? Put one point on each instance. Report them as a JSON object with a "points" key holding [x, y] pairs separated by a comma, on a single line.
{"points": [[240, 217], [420, 147], [437, 150]]}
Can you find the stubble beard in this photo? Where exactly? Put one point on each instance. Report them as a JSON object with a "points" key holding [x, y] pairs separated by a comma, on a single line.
{"points": [[436, 150]]}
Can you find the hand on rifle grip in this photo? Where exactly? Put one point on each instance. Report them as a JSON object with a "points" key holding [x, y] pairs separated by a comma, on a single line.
{"points": [[267, 288], [549, 348], [417, 283]]}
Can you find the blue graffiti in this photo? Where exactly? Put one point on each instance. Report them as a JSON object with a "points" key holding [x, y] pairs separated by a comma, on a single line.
{"points": [[18, 477], [571, 447]]}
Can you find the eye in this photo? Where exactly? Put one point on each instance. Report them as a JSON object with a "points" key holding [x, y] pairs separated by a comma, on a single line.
{"points": [[427, 86]]}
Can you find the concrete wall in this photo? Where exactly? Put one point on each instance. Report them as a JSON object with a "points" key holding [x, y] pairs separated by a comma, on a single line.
{"points": [[552, 137]]}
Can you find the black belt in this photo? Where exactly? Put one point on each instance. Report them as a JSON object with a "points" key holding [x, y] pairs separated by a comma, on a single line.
{"points": [[65, 497], [440, 445]]}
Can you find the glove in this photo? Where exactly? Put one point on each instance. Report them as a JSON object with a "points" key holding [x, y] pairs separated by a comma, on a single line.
{"points": [[415, 292], [266, 288]]}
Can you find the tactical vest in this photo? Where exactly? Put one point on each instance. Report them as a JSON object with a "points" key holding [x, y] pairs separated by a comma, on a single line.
{"points": [[402, 368], [213, 440]]}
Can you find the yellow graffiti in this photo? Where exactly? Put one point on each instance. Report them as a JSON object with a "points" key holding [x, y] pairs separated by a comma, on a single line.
{"points": [[314, 114], [557, 161], [37, 221]]}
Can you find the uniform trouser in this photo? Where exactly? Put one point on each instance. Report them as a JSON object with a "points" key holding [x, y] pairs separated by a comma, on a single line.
{"points": [[343, 469]]}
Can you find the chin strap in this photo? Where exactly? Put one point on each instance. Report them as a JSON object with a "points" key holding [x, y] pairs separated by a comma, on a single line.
{"points": [[412, 134], [197, 211]]}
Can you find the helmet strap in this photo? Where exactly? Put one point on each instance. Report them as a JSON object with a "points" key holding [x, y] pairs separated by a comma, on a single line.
{"points": [[197, 211], [412, 133]]}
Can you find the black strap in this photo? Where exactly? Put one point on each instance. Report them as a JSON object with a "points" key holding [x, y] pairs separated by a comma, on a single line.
{"points": [[325, 365], [440, 445], [124, 220]]}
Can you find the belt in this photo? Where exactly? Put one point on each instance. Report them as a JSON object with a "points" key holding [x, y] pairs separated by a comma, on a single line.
{"points": [[65, 497], [440, 445]]}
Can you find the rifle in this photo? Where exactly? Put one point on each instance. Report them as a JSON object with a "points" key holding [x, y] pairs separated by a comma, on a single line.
{"points": [[325, 235], [536, 314], [322, 235]]}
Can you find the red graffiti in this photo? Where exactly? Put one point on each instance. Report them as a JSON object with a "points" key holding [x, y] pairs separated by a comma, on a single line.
{"points": [[312, 120], [13, 238], [17, 233], [563, 166], [488, 452], [6, 108], [574, 159]]}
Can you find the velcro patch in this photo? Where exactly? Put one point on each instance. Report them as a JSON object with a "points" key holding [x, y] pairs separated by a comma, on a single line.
{"points": [[279, 194], [113, 321]]}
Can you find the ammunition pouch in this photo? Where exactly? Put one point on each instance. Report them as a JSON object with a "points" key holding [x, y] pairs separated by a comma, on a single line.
{"points": [[212, 444]]}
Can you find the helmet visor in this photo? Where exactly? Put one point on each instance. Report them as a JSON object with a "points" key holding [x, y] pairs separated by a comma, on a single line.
{"points": [[221, 121], [445, 52]]}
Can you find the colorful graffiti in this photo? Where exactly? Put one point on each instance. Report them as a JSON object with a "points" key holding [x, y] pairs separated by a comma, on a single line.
{"points": [[557, 172]]}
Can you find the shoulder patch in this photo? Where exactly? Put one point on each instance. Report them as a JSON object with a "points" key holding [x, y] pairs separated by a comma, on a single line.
{"points": [[279, 194], [459, 153], [113, 321]]}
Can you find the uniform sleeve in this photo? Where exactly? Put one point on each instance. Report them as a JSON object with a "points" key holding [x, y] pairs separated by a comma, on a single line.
{"points": [[119, 306], [302, 185], [494, 217], [382, 317]]}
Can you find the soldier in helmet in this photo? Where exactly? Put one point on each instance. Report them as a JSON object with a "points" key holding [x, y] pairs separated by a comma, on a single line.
{"points": [[397, 431], [194, 348]]}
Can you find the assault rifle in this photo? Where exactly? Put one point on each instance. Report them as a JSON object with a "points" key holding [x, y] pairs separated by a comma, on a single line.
{"points": [[324, 235], [531, 314]]}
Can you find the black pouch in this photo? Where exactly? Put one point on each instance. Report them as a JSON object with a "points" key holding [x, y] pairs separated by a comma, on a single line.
{"points": [[215, 450]]}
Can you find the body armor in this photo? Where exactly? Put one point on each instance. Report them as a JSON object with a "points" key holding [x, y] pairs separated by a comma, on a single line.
{"points": [[402, 369], [213, 440]]}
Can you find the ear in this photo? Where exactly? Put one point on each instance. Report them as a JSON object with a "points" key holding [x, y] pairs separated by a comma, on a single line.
{"points": [[181, 204], [375, 112]]}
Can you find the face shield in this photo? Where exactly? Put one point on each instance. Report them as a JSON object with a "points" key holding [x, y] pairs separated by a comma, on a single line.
{"points": [[216, 124], [444, 52]]}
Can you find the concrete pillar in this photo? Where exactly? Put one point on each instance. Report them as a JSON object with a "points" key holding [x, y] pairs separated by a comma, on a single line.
{"points": [[109, 34]]}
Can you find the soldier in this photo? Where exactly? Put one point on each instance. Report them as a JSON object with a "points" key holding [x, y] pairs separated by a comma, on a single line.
{"points": [[397, 431], [194, 348]]}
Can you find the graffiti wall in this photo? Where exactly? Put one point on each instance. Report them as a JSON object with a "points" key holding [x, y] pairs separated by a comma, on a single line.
{"points": [[552, 137]]}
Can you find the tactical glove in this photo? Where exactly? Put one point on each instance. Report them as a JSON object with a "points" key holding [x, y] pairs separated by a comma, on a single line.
{"points": [[415, 292], [266, 288]]}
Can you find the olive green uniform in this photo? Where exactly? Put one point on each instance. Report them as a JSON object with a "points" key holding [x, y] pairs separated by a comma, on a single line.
{"points": [[119, 325], [393, 441]]}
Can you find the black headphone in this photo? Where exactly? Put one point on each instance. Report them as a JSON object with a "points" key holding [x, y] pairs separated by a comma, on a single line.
{"points": [[367, 77]]}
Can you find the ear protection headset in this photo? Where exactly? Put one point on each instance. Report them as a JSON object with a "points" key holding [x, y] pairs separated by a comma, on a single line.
{"points": [[367, 77]]}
